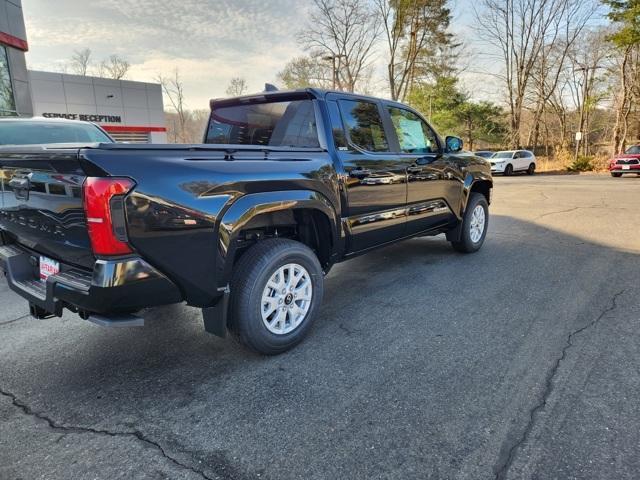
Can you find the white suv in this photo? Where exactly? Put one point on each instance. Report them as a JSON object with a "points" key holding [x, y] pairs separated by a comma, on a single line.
{"points": [[509, 161]]}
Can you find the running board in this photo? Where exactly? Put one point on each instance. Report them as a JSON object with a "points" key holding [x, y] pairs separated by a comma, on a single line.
{"points": [[125, 320]]}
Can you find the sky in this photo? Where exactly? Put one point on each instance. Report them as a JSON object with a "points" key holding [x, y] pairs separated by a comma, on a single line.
{"points": [[209, 41]]}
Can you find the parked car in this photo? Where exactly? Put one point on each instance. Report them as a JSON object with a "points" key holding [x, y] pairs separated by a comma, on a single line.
{"points": [[40, 131], [509, 161], [244, 226], [484, 153], [628, 162]]}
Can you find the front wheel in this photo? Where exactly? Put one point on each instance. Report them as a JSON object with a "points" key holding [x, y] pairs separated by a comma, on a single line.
{"points": [[616, 174], [508, 170], [474, 225], [275, 293]]}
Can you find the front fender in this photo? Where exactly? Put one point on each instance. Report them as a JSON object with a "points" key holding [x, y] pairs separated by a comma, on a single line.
{"points": [[247, 207], [470, 179]]}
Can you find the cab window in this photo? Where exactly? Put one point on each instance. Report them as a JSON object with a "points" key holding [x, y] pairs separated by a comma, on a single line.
{"points": [[414, 135], [364, 125]]}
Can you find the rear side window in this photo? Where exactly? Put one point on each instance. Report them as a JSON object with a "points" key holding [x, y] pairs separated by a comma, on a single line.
{"points": [[273, 124], [363, 122]]}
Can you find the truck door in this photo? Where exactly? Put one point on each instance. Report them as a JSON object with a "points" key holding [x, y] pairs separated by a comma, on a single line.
{"points": [[375, 178], [434, 183]]}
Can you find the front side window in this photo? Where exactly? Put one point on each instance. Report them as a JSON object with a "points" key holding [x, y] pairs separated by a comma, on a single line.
{"points": [[364, 125], [7, 103], [414, 135], [273, 124]]}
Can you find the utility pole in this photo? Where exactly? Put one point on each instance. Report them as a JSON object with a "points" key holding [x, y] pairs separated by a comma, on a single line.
{"points": [[332, 58], [580, 135]]}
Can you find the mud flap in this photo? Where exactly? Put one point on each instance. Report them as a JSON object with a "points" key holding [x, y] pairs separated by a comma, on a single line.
{"points": [[455, 234], [215, 317]]}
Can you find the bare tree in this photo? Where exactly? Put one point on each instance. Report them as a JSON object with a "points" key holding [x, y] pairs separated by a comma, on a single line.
{"points": [[624, 97], [566, 36], [345, 32], [115, 67], [586, 62], [237, 86], [301, 72], [414, 31], [80, 62], [173, 89], [524, 30]]}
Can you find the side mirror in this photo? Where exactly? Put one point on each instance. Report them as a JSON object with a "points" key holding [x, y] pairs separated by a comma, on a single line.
{"points": [[454, 144]]}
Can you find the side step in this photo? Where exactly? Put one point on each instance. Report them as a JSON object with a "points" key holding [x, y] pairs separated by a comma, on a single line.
{"points": [[124, 320]]}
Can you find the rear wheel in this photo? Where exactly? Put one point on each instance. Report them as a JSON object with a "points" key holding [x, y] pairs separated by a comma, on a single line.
{"points": [[474, 225], [275, 294], [616, 174], [532, 169], [508, 170]]}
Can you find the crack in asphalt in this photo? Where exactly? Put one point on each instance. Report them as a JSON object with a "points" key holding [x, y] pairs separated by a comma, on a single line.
{"points": [[65, 430], [503, 468], [573, 209], [348, 331], [15, 319]]}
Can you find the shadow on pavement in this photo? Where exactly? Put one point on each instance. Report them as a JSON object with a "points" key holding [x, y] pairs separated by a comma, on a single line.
{"points": [[423, 363]]}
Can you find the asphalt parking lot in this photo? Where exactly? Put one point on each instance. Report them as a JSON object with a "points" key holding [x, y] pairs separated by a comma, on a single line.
{"points": [[520, 361]]}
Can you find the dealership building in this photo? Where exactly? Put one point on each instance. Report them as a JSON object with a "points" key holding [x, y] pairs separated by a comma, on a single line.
{"points": [[129, 111]]}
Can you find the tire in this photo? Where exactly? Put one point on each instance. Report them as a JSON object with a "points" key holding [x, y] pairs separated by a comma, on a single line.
{"points": [[264, 261], [508, 170], [466, 244], [532, 169], [616, 175]]}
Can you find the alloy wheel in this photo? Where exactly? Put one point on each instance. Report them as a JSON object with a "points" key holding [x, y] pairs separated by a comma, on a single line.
{"points": [[286, 299], [478, 221]]}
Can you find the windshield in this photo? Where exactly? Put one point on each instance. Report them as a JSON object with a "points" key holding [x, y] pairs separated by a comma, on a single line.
{"points": [[503, 155], [274, 124], [34, 133], [635, 150]]}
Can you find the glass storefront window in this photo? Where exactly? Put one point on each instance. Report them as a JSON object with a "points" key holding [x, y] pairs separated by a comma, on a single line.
{"points": [[7, 103]]}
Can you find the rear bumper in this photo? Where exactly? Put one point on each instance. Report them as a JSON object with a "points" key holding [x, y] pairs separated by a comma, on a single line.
{"points": [[114, 286]]}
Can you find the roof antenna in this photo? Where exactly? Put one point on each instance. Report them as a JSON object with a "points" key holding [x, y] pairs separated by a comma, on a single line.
{"points": [[268, 87]]}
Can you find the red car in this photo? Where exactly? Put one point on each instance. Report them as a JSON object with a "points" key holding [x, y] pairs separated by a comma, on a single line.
{"points": [[627, 162]]}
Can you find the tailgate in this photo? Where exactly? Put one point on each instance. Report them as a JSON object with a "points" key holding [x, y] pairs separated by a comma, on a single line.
{"points": [[41, 203]]}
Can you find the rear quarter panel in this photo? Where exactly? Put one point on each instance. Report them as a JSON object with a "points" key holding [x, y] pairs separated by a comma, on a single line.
{"points": [[180, 197]]}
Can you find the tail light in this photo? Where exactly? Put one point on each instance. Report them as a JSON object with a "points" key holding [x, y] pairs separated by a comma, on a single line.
{"points": [[104, 208]]}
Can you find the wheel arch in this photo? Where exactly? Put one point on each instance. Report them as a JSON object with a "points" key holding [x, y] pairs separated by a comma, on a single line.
{"points": [[309, 212], [476, 182], [473, 182]]}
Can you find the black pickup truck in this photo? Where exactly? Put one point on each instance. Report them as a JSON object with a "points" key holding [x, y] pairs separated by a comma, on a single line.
{"points": [[244, 226]]}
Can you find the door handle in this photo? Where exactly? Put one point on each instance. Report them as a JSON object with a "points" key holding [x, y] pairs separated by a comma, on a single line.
{"points": [[359, 172]]}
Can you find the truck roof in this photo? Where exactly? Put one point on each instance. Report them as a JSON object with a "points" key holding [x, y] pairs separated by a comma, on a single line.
{"points": [[317, 93]]}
